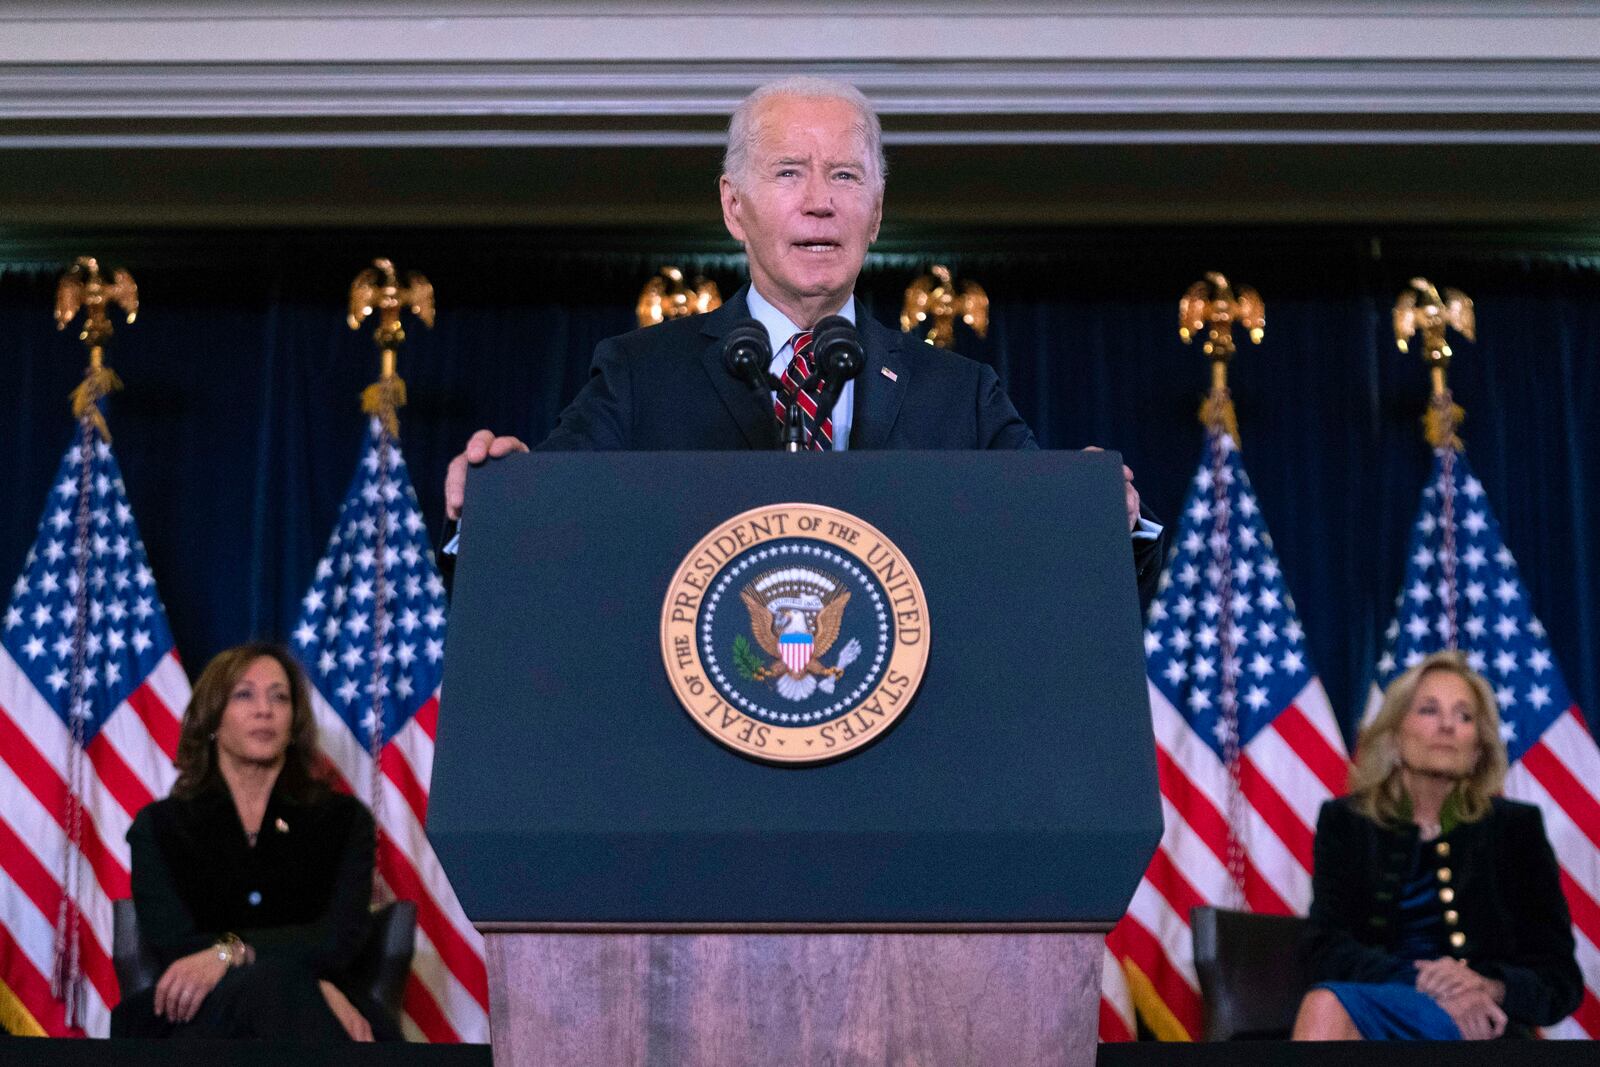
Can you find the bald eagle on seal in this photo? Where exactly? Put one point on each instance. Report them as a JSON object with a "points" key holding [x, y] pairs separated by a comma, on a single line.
{"points": [[795, 614]]}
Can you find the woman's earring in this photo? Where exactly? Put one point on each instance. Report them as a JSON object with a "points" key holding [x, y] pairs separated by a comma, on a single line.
{"points": [[212, 736]]}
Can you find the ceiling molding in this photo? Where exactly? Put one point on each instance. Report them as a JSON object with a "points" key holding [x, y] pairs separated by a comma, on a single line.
{"points": [[550, 73], [191, 31], [1017, 86], [561, 112], [644, 104]]}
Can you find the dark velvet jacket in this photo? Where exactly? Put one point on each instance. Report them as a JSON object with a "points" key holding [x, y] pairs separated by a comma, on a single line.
{"points": [[302, 892], [1499, 895]]}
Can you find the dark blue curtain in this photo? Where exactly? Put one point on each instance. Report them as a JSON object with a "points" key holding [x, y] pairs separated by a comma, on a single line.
{"points": [[239, 428]]}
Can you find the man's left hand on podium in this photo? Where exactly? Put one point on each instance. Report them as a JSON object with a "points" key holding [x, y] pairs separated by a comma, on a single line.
{"points": [[1130, 495]]}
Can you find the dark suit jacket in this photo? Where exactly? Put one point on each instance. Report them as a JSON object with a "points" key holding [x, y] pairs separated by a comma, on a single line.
{"points": [[299, 898], [301, 892], [1503, 885], [665, 387]]}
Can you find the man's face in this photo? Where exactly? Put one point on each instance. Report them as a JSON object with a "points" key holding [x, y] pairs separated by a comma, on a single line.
{"points": [[807, 206]]}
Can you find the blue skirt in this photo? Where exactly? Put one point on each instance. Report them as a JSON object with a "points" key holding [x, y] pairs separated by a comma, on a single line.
{"points": [[1393, 1011]]}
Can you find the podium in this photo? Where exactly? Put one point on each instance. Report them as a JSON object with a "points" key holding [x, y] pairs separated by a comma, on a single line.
{"points": [[652, 892]]}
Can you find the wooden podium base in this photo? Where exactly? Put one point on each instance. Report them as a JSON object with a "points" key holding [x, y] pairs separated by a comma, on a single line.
{"points": [[739, 996]]}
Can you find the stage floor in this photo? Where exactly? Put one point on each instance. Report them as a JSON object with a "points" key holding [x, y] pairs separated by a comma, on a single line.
{"points": [[63, 1053]]}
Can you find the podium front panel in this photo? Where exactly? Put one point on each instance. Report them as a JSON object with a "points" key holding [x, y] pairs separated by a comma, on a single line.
{"points": [[570, 785]]}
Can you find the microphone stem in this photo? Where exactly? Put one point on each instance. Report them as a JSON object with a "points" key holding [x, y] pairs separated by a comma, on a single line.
{"points": [[794, 427], [828, 401]]}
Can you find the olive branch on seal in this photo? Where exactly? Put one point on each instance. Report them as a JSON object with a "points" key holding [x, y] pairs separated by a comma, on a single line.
{"points": [[745, 659]]}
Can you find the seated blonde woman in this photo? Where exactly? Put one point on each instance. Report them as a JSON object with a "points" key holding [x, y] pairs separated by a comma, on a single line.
{"points": [[1437, 910]]}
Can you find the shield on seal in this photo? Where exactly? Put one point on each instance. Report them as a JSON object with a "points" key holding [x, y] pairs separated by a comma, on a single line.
{"points": [[796, 649]]}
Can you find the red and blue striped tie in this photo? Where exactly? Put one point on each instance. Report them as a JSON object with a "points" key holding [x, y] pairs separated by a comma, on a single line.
{"points": [[818, 438]]}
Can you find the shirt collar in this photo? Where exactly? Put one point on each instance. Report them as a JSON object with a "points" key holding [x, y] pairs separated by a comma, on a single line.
{"points": [[779, 329]]}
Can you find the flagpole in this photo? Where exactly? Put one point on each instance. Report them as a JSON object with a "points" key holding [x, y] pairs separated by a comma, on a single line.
{"points": [[380, 684], [1211, 304], [1422, 309], [82, 286], [377, 289]]}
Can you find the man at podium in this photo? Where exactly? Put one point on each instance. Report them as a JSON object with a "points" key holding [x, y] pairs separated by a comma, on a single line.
{"points": [[802, 190]]}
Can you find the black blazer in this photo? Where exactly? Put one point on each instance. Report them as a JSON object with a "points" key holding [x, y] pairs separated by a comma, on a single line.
{"points": [[1497, 876], [665, 387], [303, 891]]}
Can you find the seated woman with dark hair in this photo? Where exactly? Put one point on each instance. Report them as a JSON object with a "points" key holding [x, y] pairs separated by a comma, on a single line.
{"points": [[1436, 906], [252, 881]]}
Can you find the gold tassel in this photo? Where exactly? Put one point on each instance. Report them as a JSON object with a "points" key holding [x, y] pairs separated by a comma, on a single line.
{"points": [[1443, 418], [1217, 413], [383, 398], [98, 383]]}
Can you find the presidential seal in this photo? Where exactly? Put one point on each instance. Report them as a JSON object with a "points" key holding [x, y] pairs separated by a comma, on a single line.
{"points": [[795, 633]]}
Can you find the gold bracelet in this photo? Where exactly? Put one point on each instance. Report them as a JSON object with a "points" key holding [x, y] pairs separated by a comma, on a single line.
{"points": [[230, 949]]}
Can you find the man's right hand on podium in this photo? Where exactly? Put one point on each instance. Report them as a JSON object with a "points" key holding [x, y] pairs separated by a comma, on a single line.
{"points": [[481, 447]]}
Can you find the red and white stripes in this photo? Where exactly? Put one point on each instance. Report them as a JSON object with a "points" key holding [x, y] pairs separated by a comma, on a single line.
{"points": [[1286, 772], [1559, 774], [129, 764], [447, 994]]}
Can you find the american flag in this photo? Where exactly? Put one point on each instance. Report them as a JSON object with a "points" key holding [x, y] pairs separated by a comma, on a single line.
{"points": [[1462, 590], [1247, 750], [371, 636], [91, 696]]}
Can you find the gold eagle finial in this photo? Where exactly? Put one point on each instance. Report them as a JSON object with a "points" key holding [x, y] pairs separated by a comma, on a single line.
{"points": [[82, 287], [378, 289], [934, 297], [669, 296], [1423, 309], [1215, 306]]}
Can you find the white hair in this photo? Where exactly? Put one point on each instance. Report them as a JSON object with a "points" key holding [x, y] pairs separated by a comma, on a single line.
{"points": [[742, 133]]}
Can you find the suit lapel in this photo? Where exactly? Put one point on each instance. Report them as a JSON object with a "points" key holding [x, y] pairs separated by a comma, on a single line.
{"points": [[878, 394], [748, 408]]}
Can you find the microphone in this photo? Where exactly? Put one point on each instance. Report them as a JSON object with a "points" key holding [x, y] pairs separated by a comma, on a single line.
{"points": [[839, 356], [746, 353], [838, 352]]}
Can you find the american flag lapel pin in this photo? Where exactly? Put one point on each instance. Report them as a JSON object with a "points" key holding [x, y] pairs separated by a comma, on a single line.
{"points": [[889, 374]]}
